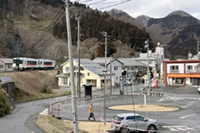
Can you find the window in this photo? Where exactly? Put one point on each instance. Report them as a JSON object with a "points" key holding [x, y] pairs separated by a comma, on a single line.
{"points": [[9, 66], [1, 66], [31, 62], [174, 69], [189, 68], [115, 68], [139, 118], [67, 69], [64, 81], [130, 118], [88, 74]]}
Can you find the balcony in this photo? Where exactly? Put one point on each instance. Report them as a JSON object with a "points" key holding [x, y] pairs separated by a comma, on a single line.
{"points": [[193, 71], [174, 71]]}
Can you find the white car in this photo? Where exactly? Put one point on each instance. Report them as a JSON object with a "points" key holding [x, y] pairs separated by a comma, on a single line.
{"points": [[133, 122], [127, 82], [198, 89]]}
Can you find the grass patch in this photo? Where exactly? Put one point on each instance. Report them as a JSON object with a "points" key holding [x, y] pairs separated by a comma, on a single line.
{"points": [[52, 125], [34, 24], [22, 96]]}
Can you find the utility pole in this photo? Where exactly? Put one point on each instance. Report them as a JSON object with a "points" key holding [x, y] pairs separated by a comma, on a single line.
{"points": [[73, 94], [105, 34], [79, 74], [197, 47], [148, 73], [111, 76]]}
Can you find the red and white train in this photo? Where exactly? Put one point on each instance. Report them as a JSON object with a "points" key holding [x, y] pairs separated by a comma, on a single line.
{"points": [[22, 63]]}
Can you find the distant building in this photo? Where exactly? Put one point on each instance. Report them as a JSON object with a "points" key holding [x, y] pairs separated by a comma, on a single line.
{"points": [[131, 68], [182, 72], [6, 64], [91, 73], [113, 65]]}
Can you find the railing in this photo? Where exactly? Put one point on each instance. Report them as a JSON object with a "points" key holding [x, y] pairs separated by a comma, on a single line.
{"points": [[174, 71], [193, 71]]}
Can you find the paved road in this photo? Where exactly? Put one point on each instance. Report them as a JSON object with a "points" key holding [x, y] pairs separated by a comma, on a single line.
{"points": [[185, 120]]}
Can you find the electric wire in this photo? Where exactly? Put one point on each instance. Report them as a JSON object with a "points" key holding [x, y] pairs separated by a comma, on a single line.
{"points": [[48, 29]]}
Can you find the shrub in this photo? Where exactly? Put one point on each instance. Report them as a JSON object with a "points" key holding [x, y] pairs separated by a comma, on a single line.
{"points": [[4, 107]]}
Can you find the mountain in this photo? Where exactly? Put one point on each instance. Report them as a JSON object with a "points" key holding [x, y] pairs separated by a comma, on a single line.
{"points": [[171, 30], [121, 15], [166, 28]]}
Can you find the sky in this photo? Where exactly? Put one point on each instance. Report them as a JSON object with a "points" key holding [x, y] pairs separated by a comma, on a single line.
{"points": [[151, 8]]}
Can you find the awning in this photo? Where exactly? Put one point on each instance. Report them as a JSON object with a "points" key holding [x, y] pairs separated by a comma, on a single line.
{"points": [[183, 75]]}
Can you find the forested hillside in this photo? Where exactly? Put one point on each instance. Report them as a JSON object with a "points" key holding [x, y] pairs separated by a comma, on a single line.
{"points": [[37, 28]]}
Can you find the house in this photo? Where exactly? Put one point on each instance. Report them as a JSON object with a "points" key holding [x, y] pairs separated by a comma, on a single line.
{"points": [[131, 68], [182, 72], [6, 64], [113, 65], [91, 73]]}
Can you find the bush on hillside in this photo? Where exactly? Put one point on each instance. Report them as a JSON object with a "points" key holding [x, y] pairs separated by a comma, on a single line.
{"points": [[21, 94], [4, 107], [46, 90]]}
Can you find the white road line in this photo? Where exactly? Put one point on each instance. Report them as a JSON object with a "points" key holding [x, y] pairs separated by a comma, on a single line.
{"points": [[183, 117]]}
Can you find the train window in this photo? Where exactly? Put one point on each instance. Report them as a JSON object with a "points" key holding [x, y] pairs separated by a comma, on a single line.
{"points": [[31, 62], [47, 63], [18, 61]]}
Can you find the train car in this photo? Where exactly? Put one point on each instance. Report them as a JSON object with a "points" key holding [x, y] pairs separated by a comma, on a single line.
{"points": [[46, 64], [22, 63]]}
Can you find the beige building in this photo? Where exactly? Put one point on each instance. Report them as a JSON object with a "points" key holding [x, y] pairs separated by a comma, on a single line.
{"points": [[91, 73], [6, 64]]}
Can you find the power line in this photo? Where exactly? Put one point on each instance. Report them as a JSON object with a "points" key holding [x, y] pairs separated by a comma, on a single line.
{"points": [[49, 28]]}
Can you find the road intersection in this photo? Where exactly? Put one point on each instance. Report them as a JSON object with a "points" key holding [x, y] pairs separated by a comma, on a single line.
{"points": [[184, 120]]}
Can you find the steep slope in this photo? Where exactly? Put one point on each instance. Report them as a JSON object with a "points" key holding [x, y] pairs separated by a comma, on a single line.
{"points": [[185, 41], [37, 29]]}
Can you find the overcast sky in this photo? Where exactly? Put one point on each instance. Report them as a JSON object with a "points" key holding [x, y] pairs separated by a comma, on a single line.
{"points": [[151, 8]]}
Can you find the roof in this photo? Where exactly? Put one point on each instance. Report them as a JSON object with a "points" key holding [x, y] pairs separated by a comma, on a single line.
{"points": [[6, 60], [101, 60], [145, 59], [182, 61], [131, 62], [4, 80], [90, 65]]}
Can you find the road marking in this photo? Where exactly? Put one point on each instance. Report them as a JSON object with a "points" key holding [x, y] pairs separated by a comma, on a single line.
{"points": [[178, 128], [183, 117]]}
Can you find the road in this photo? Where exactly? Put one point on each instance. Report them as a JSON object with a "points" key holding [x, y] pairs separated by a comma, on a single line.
{"points": [[185, 120]]}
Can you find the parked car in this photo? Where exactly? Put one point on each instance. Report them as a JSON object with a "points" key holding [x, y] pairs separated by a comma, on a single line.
{"points": [[127, 82], [133, 122], [198, 89]]}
